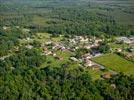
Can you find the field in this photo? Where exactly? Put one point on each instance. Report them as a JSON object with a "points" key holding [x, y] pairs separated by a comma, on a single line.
{"points": [[116, 63]]}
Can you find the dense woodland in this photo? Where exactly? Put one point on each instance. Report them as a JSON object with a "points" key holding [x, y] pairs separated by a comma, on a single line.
{"points": [[22, 78], [64, 17], [26, 81]]}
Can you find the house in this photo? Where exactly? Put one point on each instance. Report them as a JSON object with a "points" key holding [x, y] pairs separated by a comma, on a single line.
{"points": [[47, 52], [26, 30], [17, 27], [86, 56], [4, 57], [76, 47], [119, 50], [28, 39], [48, 43], [113, 86], [78, 37], [129, 56], [60, 58], [74, 59], [54, 54], [131, 39], [132, 50], [95, 67], [107, 75], [63, 48], [102, 67], [97, 41], [5, 28], [124, 39], [84, 40], [87, 46], [88, 63], [95, 52], [72, 41], [16, 49], [29, 46], [59, 46], [12, 68]]}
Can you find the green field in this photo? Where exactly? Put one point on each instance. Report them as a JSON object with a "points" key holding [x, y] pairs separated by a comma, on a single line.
{"points": [[116, 63]]}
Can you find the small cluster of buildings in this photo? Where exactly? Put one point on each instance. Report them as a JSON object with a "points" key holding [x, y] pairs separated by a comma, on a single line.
{"points": [[79, 39], [6, 27], [91, 64], [85, 40], [50, 48], [76, 44], [91, 44], [127, 40]]}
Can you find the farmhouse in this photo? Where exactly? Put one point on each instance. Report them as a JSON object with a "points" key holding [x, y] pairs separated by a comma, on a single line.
{"points": [[107, 75], [119, 50], [95, 52], [80, 39], [95, 67], [26, 30], [86, 56], [60, 58], [72, 41], [4, 57], [5, 27], [74, 59], [129, 56], [17, 27], [54, 54], [48, 43], [88, 63], [29, 46], [132, 50], [97, 41], [88, 46], [125, 40], [84, 40], [59, 47], [131, 39], [47, 52]]}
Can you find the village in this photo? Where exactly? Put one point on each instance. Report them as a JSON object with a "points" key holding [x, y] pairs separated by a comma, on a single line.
{"points": [[91, 45], [81, 49]]}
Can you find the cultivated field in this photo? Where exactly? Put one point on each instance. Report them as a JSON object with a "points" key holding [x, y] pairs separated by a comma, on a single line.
{"points": [[116, 63]]}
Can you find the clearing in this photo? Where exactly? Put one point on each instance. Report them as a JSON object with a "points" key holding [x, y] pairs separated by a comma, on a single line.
{"points": [[116, 63]]}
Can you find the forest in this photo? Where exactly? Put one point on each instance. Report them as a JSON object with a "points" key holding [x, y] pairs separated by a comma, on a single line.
{"points": [[22, 78], [69, 17]]}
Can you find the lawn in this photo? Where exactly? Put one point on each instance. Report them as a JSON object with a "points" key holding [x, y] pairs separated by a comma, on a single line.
{"points": [[37, 20], [45, 37], [114, 45], [95, 74], [53, 62], [116, 63]]}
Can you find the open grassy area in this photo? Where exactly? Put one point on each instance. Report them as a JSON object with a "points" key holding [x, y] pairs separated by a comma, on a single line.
{"points": [[95, 74], [45, 37], [114, 45], [39, 20], [53, 62], [116, 63]]}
